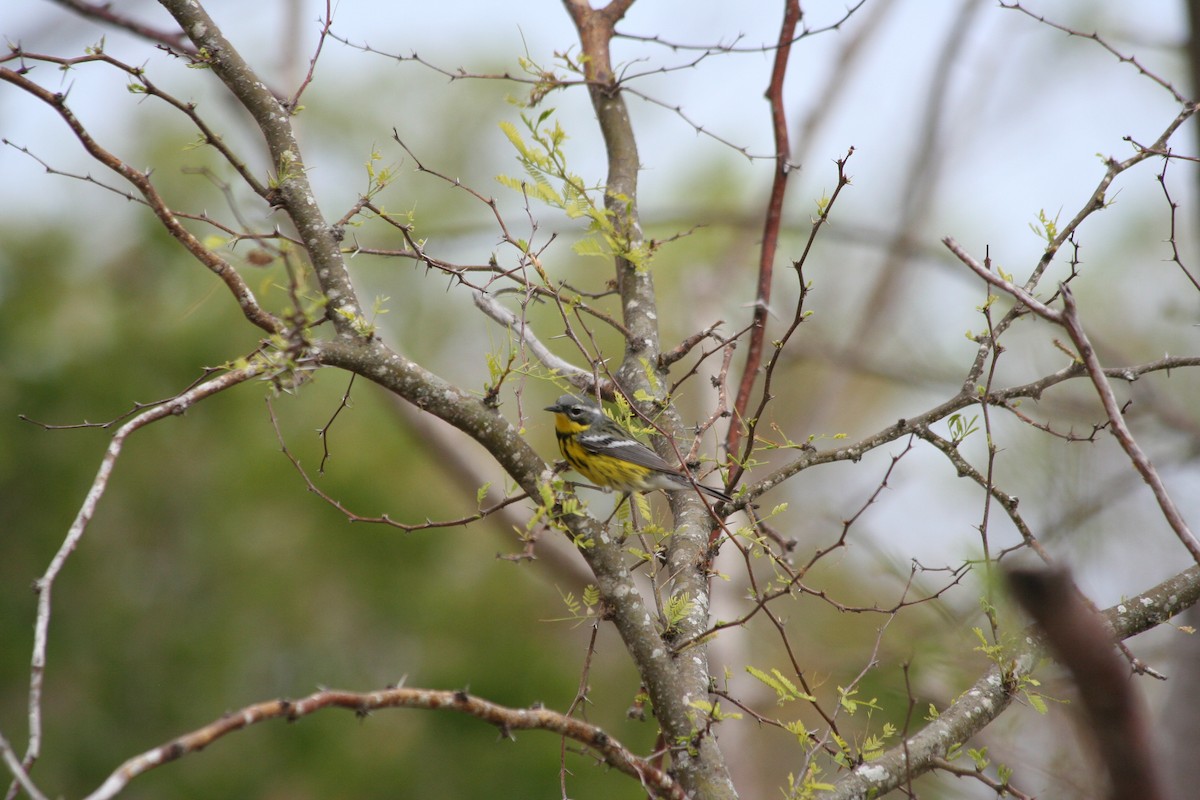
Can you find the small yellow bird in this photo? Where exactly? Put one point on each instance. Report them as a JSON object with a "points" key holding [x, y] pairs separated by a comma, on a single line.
{"points": [[609, 456]]}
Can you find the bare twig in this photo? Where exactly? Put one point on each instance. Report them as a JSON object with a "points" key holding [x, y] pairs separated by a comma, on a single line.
{"points": [[853, 451], [1118, 428], [44, 585], [1007, 501], [1068, 317], [506, 718], [1095, 37], [173, 40], [1001, 788], [385, 519], [141, 180], [323, 431], [733, 47], [312, 63], [1175, 256]]}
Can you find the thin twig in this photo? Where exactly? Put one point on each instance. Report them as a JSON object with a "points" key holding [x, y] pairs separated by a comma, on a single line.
{"points": [[20, 773], [385, 519], [1175, 256], [752, 420], [312, 63], [1095, 37], [1001, 788], [141, 180], [1068, 317], [506, 718], [173, 40], [732, 47], [1120, 430], [44, 585], [772, 219]]}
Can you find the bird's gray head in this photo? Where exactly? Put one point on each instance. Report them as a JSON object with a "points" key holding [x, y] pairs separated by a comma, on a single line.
{"points": [[574, 408]]}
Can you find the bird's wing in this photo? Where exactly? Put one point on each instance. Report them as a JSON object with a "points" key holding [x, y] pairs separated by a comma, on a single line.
{"points": [[627, 449]]}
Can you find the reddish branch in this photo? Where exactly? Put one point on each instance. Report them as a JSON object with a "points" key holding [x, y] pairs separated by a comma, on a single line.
{"points": [[141, 180], [656, 782], [175, 40], [771, 224], [752, 420]]}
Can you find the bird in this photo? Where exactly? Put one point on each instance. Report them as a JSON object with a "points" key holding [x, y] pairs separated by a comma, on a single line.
{"points": [[609, 456]]}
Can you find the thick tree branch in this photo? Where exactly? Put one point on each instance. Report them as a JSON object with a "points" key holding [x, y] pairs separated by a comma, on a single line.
{"points": [[103, 12], [295, 192], [675, 685], [995, 690], [605, 556]]}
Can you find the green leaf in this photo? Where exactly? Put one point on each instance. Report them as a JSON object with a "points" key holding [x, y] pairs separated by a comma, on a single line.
{"points": [[798, 729], [570, 602], [514, 136], [589, 246], [784, 689], [643, 504], [511, 183], [677, 608]]}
